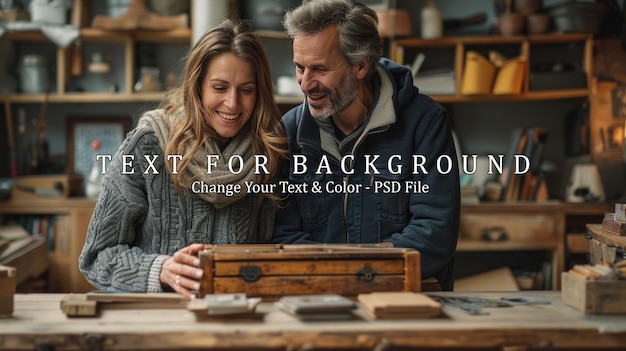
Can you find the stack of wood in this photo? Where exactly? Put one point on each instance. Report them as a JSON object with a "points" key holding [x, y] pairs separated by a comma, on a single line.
{"points": [[615, 223], [399, 305], [7, 291], [600, 271]]}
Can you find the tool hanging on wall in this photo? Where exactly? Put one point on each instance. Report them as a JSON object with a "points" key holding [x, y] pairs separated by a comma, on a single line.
{"points": [[40, 159], [76, 68]]}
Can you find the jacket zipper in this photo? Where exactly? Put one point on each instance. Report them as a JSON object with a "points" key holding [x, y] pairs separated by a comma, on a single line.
{"points": [[347, 177]]}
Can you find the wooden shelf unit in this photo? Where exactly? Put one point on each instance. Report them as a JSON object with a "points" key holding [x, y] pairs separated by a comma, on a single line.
{"points": [[76, 212], [524, 46], [128, 38], [530, 226]]}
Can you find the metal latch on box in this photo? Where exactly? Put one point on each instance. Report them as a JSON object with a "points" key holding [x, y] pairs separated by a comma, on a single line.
{"points": [[367, 274], [250, 274]]}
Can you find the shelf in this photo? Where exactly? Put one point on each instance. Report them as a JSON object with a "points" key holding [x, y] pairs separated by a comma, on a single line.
{"points": [[529, 96], [111, 97], [493, 40], [450, 53], [180, 35], [481, 245], [82, 97]]}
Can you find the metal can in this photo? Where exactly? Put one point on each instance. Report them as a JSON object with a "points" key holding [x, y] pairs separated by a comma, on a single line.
{"points": [[33, 72]]}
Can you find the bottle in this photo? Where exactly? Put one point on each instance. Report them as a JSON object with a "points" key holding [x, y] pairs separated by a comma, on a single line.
{"points": [[94, 181], [432, 24]]}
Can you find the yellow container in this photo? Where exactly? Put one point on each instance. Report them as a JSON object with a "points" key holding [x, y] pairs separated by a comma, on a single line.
{"points": [[510, 77], [478, 75]]}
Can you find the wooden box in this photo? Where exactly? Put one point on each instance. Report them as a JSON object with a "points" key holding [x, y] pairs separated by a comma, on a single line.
{"points": [[594, 296], [37, 186], [271, 271]]}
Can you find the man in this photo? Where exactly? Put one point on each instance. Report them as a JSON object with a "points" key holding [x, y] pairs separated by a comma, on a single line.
{"points": [[372, 160]]}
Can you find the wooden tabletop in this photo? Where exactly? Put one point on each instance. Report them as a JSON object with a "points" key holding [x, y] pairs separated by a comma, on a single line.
{"points": [[39, 322]]}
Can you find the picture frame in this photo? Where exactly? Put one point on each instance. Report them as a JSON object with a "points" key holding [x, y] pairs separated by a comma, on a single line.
{"points": [[81, 131]]}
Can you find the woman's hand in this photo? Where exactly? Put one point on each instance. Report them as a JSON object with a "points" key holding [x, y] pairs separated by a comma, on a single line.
{"points": [[182, 272]]}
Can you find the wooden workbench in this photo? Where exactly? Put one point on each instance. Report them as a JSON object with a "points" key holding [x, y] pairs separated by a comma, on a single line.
{"points": [[38, 323]]}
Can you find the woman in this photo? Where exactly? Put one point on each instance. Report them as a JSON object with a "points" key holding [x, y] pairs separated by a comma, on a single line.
{"points": [[172, 185]]}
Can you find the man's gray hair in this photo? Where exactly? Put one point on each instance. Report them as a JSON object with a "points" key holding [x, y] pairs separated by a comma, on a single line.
{"points": [[356, 23]]}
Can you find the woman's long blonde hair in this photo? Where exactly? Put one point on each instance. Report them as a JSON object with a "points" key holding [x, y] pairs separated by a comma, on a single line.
{"points": [[239, 39]]}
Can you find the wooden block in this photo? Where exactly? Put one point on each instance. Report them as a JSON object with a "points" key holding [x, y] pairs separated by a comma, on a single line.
{"points": [[613, 226], [593, 297], [399, 305], [77, 305], [7, 291]]}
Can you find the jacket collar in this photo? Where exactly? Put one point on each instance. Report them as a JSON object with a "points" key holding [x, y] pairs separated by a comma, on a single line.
{"points": [[381, 116]]}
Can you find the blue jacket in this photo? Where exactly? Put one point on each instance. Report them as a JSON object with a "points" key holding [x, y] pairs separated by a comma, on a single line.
{"points": [[384, 198]]}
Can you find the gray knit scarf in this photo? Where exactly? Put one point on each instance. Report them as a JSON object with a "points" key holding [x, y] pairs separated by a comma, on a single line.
{"points": [[239, 145]]}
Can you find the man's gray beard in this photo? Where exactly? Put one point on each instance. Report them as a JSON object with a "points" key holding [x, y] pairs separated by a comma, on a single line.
{"points": [[338, 106]]}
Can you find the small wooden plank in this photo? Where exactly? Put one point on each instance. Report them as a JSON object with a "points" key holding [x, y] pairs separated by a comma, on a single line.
{"points": [[136, 297], [400, 305], [77, 305]]}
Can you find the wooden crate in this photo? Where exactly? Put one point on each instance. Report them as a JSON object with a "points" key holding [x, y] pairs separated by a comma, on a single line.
{"points": [[271, 271], [594, 296]]}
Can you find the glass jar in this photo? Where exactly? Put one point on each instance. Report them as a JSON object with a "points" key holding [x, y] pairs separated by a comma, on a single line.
{"points": [[148, 80], [33, 73]]}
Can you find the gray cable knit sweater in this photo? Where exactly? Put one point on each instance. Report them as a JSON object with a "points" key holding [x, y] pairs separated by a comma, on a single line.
{"points": [[140, 220]]}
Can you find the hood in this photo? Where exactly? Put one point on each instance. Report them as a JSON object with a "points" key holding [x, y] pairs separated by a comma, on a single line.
{"points": [[401, 80]]}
